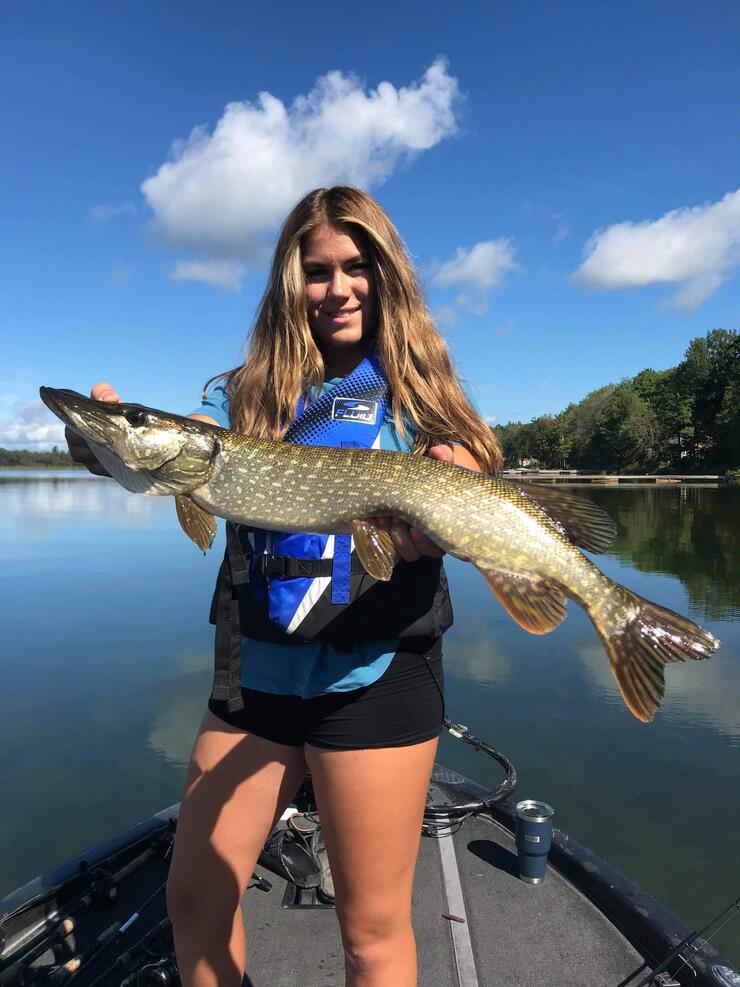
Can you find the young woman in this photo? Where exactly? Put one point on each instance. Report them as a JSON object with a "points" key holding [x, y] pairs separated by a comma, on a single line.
{"points": [[339, 675]]}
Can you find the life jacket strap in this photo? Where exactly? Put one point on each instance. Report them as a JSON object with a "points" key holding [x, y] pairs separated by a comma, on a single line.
{"points": [[286, 567], [227, 675]]}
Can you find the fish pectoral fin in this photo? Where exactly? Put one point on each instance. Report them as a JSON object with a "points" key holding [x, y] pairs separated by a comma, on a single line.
{"points": [[375, 549], [580, 520], [195, 521], [532, 602]]}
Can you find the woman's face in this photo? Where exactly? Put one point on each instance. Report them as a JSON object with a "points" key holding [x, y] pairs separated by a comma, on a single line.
{"points": [[340, 285]]}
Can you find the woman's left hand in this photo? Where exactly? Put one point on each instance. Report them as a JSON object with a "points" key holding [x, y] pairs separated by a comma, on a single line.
{"points": [[411, 543]]}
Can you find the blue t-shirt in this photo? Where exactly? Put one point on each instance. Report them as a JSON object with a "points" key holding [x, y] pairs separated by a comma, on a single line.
{"points": [[309, 668]]}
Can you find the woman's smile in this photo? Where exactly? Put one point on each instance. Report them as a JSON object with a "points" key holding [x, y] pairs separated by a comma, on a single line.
{"points": [[341, 317]]}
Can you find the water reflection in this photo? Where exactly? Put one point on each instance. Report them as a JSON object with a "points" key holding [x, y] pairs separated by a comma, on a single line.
{"points": [[179, 710], [479, 660], [55, 496], [475, 648], [689, 532], [695, 694]]}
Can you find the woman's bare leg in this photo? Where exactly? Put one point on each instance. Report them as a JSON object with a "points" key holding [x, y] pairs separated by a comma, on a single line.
{"points": [[237, 786], [371, 804]]}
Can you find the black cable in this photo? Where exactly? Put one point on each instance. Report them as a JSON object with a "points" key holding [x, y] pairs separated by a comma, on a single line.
{"points": [[438, 829], [461, 810]]}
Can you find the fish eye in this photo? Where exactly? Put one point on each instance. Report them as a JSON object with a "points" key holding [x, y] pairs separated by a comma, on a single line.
{"points": [[135, 417]]}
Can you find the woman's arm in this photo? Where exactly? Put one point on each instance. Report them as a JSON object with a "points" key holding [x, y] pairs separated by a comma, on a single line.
{"points": [[205, 418]]}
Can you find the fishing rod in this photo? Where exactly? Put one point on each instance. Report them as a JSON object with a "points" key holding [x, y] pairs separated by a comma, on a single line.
{"points": [[690, 940], [99, 883], [73, 967], [160, 968], [102, 890]]}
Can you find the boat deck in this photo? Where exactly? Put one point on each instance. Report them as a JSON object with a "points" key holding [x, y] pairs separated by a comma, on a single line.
{"points": [[99, 918], [514, 934]]}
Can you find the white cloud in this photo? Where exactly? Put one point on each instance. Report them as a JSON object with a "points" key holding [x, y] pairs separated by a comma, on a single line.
{"points": [[477, 270], [446, 316], [32, 427], [226, 274], [223, 194], [103, 213], [691, 694], [695, 248]]}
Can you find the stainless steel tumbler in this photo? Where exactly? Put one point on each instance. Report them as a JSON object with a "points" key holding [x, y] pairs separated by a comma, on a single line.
{"points": [[533, 839]]}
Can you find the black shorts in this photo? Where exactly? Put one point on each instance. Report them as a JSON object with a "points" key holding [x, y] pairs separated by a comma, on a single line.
{"points": [[404, 706]]}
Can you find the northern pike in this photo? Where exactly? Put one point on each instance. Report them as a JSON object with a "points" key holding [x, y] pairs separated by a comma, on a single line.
{"points": [[524, 538]]}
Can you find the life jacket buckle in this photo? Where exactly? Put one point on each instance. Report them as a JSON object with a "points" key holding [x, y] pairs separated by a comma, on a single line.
{"points": [[273, 566]]}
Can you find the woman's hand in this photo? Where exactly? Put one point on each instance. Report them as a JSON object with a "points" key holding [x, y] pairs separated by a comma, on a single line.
{"points": [[411, 543], [79, 450]]}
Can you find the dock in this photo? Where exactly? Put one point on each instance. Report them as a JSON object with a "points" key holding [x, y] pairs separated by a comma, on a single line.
{"points": [[578, 476]]}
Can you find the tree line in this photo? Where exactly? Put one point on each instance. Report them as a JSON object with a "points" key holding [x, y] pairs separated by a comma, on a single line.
{"points": [[54, 459], [682, 420]]}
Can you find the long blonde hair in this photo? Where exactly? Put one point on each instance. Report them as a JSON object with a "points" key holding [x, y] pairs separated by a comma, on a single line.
{"points": [[283, 359]]}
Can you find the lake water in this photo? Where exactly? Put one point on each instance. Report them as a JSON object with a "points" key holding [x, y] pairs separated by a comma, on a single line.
{"points": [[106, 668]]}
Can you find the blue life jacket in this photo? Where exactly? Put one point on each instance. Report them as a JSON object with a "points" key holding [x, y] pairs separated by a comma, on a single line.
{"points": [[350, 414], [286, 587]]}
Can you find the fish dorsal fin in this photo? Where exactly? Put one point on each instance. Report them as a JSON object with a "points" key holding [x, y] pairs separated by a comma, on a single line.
{"points": [[533, 603], [580, 520], [195, 521], [374, 548]]}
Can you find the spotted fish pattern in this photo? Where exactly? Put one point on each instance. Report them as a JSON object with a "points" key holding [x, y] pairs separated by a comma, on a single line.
{"points": [[524, 539]]}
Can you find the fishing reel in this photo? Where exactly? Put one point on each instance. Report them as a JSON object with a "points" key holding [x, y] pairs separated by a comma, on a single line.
{"points": [[161, 973]]}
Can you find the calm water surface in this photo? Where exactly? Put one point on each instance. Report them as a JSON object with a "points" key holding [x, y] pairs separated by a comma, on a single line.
{"points": [[106, 654]]}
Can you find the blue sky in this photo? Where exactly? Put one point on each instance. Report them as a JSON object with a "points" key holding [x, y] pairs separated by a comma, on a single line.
{"points": [[565, 176]]}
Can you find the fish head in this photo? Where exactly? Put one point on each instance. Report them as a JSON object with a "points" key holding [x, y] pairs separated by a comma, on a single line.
{"points": [[146, 450]]}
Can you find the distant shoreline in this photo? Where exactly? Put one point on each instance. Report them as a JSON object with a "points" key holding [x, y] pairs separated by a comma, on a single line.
{"points": [[42, 466]]}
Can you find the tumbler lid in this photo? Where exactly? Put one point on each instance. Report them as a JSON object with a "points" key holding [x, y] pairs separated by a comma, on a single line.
{"points": [[534, 811]]}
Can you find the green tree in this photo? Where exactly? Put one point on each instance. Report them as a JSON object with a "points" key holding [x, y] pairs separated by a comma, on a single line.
{"points": [[550, 441], [705, 373], [581, 422], [728, 424], [681, 419]]}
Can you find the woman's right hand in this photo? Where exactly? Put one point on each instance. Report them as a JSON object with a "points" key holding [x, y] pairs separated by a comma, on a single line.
{"points": [[79, 450]]}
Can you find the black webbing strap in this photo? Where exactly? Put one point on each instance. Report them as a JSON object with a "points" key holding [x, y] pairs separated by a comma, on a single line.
{"points": [[235, 573], [286, 567], [227, 685]]}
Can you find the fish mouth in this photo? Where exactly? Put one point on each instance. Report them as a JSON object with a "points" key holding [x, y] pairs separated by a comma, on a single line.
{"points": [[61, 400], [92, 419], [125, 437], [49, 396]]}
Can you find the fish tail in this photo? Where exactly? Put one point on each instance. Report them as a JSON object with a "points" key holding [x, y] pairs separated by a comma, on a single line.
{"points": [[640, 637]]}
